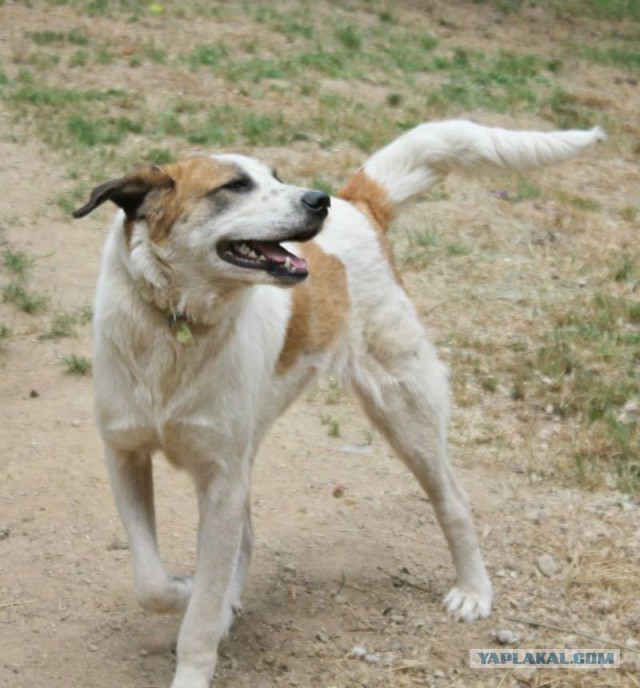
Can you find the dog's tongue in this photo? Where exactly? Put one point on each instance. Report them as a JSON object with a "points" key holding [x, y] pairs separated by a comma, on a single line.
{"points": [[277, 254]]}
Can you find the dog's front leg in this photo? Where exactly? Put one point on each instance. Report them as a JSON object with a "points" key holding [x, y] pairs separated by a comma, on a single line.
{"points": [[222, 502], [131, 477]]}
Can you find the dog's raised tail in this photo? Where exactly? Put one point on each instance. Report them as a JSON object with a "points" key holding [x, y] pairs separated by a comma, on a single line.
{"points": [[422, 156]]}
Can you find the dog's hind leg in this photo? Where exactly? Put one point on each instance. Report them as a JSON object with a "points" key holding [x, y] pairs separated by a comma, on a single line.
{"points": [[404, 389], [131, 476]]}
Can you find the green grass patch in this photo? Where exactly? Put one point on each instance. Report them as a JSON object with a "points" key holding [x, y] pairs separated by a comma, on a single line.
{"points": [[568, 112], [55, 97], [69, 119], [89, 132], [349, 36], [506, 81], [525, 191], [75, 36], [79, 59], [627, 58], [226, 125], [64, 325], [613, 10], [16, 293], [16, 261], [321, 184], [110, 8], [457, 249], [213, 55], [77, 365], [154, 53], [67, 202], [160, 156], [418, 247], [332, 425], [626, 269], [579, 202], [349, 53]]}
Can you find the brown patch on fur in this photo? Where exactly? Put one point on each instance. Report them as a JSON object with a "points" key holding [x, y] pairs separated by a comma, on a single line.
{"points": [[371, 199], [191, 179], [160, 195], [319, 306], [361, 190]]}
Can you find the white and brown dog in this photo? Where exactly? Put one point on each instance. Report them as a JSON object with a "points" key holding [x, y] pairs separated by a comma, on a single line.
{"points": [[207, 327]]}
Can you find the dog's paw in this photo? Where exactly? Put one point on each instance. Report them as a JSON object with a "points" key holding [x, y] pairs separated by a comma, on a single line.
{"points": [[170, 598], [231, 613], [467, 604], [191, 677], [182, 589]]}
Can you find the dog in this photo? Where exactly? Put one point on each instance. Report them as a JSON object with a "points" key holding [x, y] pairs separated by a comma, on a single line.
{"points": [[220, 298]]}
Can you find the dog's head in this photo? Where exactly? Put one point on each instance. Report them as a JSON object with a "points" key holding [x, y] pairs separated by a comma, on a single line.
{"points": [[222, 217]]}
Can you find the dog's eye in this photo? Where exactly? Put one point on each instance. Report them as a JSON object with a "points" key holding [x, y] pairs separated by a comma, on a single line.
{"points": [[239, 185]]}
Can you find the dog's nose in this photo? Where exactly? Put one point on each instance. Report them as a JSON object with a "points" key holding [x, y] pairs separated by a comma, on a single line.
{"points": [[316, 201]]}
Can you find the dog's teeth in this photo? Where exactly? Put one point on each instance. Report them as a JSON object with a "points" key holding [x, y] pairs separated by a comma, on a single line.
{"points": [[287, 263], [253, 254], [262, 259], [244, 249]]}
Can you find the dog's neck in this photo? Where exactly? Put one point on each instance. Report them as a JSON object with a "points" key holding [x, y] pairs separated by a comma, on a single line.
{"points": [[188, 309]]}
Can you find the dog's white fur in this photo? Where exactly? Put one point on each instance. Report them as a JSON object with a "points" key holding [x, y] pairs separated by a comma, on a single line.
{"points": [[208, 403]]}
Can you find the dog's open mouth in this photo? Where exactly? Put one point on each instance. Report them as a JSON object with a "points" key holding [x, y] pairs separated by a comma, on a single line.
{"points": [[267, 255]]}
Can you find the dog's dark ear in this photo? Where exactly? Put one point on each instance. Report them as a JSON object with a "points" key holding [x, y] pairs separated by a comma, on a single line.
{"points": [[127, 192]]}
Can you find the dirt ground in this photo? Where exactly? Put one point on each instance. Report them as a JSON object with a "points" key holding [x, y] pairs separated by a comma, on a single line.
{"points": [[364, 565]]}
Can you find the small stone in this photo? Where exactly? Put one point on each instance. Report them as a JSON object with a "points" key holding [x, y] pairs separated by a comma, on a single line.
{"points": [[4, 533], [338, 491], [397, 618], [537, 516], [631, 407], [505, 636], [322, 637], [34, 394], [372, 659], [547, 565], [76, 422], [289, 573], [143, 653], [358, 652], [439, 674], [356, 449]]}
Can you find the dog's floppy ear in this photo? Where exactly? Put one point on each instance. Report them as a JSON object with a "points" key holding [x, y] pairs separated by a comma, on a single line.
{"points": [[127, 192]]}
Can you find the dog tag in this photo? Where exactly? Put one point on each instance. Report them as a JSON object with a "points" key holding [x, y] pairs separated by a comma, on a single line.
{"points": [[184, 335]]}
